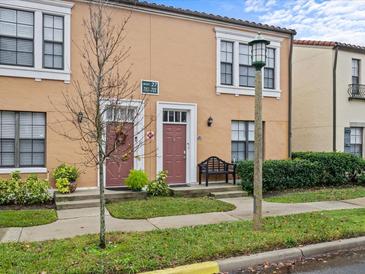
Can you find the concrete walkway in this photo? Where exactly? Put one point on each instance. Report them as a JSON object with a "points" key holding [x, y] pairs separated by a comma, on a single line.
{"points": [[75, 222]]}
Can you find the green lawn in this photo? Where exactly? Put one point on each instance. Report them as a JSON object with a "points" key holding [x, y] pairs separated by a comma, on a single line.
{"points": [[136, 252], [326, 194], [27, 217], [166, 206]]}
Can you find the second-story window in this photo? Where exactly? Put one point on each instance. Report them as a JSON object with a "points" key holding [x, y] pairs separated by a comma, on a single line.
{"points": [[355, 71], [226, 63], [269, 70], [246, 70], [53, 42], [16, 37]]}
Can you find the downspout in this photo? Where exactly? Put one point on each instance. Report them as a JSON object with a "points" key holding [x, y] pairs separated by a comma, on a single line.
{"points": [[290, 96], [334, 98]]}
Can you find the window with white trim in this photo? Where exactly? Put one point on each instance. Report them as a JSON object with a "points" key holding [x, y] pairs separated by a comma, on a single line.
{"points": [[234, 73], [269, 69], [354, 140], [22, 139], [226, 63], [35, 39], [53, 41], [242, 140], [16, 37], [116, 113], [247, 72], [174, 116]]}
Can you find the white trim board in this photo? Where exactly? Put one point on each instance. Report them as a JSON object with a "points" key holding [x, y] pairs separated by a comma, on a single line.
{"points": [[24, 170], [191, 140]]}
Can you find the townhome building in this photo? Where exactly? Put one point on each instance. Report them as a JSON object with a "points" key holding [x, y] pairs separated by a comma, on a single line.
{"points": [[198, 64], [328, 97]]}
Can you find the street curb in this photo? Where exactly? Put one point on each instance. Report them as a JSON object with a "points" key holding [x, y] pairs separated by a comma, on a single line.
{"points": [[282, 255], [322, 248], [235, 263], [298, 253], [199, 268]]}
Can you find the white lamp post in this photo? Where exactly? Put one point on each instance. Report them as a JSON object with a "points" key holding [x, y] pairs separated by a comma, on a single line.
{"points": [[258, 61]]}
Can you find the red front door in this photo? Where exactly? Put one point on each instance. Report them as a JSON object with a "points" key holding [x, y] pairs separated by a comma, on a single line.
{"points": [[121, 160], [174, 152]]}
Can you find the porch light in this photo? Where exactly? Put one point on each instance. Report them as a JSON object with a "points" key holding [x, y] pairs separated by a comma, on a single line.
{"points": [[80, 116], [210, 121], [259, 51]]}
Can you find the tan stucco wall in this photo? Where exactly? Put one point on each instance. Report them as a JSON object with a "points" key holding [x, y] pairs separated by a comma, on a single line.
{"points": [[348, 111], [312, 99], [181, 55]]}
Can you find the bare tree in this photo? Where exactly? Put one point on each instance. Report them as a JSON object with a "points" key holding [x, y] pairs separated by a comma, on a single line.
{"points": [[105, 98]]}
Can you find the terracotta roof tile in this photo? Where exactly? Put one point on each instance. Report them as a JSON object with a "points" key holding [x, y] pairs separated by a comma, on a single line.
{"points": [[330, 44]]}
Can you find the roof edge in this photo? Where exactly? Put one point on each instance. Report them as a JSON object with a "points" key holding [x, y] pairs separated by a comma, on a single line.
{"points": [[203, 15], [340, 45]]}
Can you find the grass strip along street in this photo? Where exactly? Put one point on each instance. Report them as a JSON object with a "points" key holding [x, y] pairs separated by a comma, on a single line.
{"points": [[326, 194], [136, 252]]}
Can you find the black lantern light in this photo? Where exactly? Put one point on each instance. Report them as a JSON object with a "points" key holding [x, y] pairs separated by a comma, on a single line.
{"points": [[210, 121], [259, 51]]}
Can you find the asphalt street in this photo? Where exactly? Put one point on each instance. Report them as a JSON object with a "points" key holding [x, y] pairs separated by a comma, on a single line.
{"points": [[352, 262]]}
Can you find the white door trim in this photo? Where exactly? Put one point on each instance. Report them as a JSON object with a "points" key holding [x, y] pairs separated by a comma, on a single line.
{"points": [[138, 162], [191, 136]]}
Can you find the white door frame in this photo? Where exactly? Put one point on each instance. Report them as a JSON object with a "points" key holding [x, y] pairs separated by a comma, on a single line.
{"points": [[191, 136], [138, 162]]}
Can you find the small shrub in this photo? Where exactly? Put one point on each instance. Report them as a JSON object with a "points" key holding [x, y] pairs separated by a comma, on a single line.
{"points": [[280, 174], [69, 172], [15, 175], [29, 192], [337, 168], [136, 180], [361, 179], [63, 185], [159, 186]]}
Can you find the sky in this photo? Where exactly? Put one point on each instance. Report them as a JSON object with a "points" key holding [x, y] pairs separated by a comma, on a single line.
{"points": [[327, 20]]}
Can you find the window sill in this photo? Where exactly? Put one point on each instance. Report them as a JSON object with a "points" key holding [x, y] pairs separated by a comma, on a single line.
{"points": [[247, 91], [24, 170], [36, 73]]}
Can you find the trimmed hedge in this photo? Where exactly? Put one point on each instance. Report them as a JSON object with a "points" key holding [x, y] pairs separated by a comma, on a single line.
{"points": [[337, 168], [306, 170], [280, 174]]}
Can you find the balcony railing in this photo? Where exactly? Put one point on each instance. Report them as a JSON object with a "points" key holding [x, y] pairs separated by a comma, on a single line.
{"points": [[356, 91]]}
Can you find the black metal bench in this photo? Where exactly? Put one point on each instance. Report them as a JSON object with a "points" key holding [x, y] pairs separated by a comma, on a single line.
{"points": [[215, 165]]}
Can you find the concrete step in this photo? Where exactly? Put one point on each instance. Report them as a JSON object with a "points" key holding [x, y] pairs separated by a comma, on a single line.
{"points": [[77, 204], [229, 194], [202, 190], [93, 195]]}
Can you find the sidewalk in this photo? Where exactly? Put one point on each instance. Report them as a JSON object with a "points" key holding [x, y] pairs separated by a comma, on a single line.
{"points": [[75, 222]]}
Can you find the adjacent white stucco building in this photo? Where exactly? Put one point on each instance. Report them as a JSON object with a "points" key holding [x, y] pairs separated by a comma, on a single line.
{"points": [[328, 97]]}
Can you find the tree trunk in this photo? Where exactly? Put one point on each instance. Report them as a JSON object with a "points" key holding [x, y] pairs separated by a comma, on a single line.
{"points": [[257, 192], [102, 242]]}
